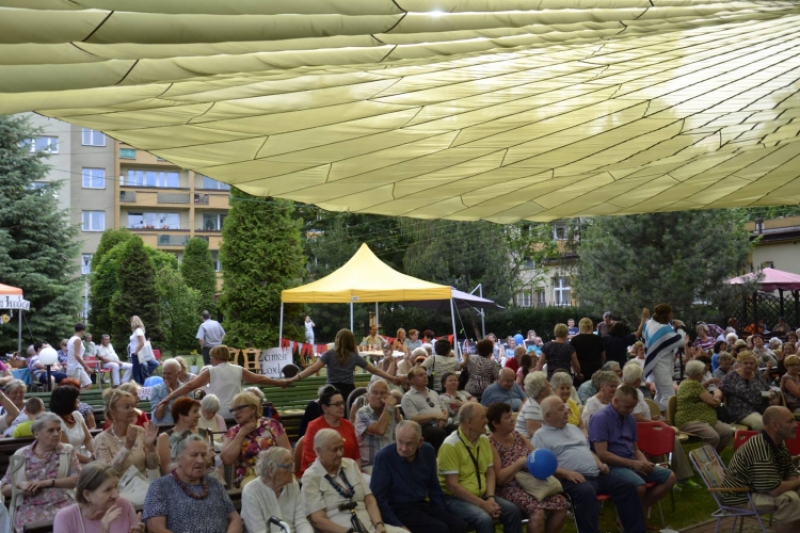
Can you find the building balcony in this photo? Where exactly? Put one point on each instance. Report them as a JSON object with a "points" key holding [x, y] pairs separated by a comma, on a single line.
{"points": [[137, 197], [142, 157], [212, 201]]}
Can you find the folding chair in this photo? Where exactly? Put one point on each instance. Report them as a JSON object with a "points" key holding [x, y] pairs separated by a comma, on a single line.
{"points": [[712, 470]]}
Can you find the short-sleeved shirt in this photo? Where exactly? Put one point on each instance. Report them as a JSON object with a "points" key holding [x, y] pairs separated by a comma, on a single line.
{"points": [[617, 347], [590, 407], [758, 465], [263, 437], [558, 355], [319, 493], [416, 403], [342, 373], [158, 393], [619, 432], [438, 365], [184, 514], [530, 411], [345, 429], [570, 446], [743, 396], [370, 445], [456, 457], [589, 348], [574, 412], [211, 332], [690, 407]]}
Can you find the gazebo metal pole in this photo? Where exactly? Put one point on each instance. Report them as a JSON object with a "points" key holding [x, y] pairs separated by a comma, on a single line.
{"points": [[19, 333], [796, 308], [280, 328], [455, 332], [755, 312], [377, 318], [780, 291], [351, 316]]}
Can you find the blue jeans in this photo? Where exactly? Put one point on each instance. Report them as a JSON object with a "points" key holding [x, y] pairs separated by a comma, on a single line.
{"points": [[587, 508], [659, 475], [141, 373], [510, 516]]}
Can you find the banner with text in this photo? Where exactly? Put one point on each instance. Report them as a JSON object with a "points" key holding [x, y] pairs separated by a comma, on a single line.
{"points": [[14, 302], [273, 360]]}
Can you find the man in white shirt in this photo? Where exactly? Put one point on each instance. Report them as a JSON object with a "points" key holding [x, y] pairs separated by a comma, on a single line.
{"points": [[209, 334], [423, 406], [309, 330], [110, 360]]}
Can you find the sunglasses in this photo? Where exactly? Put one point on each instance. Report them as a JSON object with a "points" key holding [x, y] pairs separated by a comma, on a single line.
{"points": [[238, 408], [430, 403]]}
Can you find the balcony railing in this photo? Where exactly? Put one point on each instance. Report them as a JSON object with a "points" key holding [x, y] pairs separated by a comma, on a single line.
{"points": [[201, 199], [173, 198], [127, 153], [173, 240], [127, 196]]}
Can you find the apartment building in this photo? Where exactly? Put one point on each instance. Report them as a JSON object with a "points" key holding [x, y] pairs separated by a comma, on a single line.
{"points": [[106, 184], [777, 244], [550, 282]]}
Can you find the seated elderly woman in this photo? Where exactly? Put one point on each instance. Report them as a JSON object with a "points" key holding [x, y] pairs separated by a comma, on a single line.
{"points": [[251, 434], [510, 455], [12, 412], [187, 500], [99, 508], [529, 419], [606, 383], [561, 385], [696, 412], [124, 444], [332, 417], [274, 493], [588, 388], [41, 473], [746, 393], [331, 483], [452, 399], [211, 420], [790, 383], [133, 389]]}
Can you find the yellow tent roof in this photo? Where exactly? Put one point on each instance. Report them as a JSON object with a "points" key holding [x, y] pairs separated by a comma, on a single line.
{"points": [[365, 278], [463, 109]]}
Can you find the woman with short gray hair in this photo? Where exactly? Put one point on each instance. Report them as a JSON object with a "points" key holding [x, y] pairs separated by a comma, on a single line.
{"points": [[274, 493], [606, 383], [561, 385], [696, 412], [12, 412], [211, 420], [529, 419]]}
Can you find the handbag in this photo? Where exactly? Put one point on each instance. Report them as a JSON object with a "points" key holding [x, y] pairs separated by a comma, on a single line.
{"points": [[538, 488], [133, 485], [146, 353]]}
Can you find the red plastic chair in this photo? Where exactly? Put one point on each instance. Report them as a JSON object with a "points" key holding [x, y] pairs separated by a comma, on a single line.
{"points": [[794, 444], [741, 437], [657, 438], [92, 362]]}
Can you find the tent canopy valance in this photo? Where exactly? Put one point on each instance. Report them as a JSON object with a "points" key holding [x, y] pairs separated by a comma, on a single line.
{"points": [[366, 279], [772, 280], [8, 290]]}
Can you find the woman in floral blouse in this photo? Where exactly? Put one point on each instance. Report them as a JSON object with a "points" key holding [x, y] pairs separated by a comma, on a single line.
{"points": [[251, 434], [45, 478], [743, 390]]}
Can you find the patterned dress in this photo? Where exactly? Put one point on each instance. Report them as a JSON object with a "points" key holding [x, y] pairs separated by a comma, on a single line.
{"points": [[262, 438], [47, 502], [483, 371], [512, 491]]}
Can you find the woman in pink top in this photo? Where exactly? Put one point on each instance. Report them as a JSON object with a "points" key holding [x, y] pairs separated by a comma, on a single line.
{"points": [[99, 508]]}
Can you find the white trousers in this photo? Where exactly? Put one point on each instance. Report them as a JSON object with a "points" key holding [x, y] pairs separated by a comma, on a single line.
{"points": [[114, 367], [662, 378]]}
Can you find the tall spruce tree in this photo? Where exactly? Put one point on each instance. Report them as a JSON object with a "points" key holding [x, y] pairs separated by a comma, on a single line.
{"points": [[179, 304], [38, 250], [138, 292], [261, 255], [197, 269], [681, 258], [103, 279]]}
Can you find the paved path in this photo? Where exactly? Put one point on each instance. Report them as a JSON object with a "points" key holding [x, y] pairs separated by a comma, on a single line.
{"points": [[750, 526]]}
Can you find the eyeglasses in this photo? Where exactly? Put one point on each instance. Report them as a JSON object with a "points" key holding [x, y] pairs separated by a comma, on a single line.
{"points": [[238, 408], [337, 404], [289, 466], [430, 403]]}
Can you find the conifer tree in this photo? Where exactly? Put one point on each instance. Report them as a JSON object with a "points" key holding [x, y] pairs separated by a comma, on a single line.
{"points": [[197, 269]]}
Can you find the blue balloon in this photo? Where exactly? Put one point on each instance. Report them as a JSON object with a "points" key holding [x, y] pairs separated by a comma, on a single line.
{"points": [[519, 339], [542, 463]]}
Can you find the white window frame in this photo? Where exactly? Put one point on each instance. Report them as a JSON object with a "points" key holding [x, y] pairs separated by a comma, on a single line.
{"points": [[559, 229], [541, 298], [216, 185], [88, 216], [219, 219], [525, 298], [86, 263], [561, 286], [161, 178], [157, 219], [89, 175], [215, 259], [90, 137], [50, 147]]}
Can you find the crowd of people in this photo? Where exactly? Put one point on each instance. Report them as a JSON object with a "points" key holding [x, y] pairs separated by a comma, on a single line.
{"points": [[439, 441]]}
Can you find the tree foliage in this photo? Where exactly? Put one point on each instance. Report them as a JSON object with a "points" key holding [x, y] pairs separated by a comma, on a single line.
{"points": [[103, 279], [179, 304], [137, 292], [38, 249], [261, 255], [680, 258], [197, 269]]}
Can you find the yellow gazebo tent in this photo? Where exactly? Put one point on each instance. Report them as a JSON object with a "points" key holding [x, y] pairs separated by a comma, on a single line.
{"points": [[367, 279]]}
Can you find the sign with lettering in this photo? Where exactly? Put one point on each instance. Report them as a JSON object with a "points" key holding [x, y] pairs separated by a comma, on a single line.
{"points": [[273, 360], [14, 302]]}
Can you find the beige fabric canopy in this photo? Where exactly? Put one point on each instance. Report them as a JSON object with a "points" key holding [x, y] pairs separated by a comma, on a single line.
{"points": [[463, 109]]}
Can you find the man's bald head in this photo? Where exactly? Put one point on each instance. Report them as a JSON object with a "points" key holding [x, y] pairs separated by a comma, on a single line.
{"points": [[506, 378]]}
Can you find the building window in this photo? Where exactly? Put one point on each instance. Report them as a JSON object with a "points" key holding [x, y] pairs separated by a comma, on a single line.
{"points": [[767, 264], [94, 178], [540, 298], [209, 183], [36, 185], [94, 221], [559, 233], [86, 263], [154, 220], [93, 138], [127, 153], [213, 222], [152, 178], [525, 298], [562, 292], [42, 144], [215, 259]]}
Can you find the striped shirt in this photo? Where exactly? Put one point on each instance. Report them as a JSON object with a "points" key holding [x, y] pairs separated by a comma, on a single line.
{"points": [[758, 465]]}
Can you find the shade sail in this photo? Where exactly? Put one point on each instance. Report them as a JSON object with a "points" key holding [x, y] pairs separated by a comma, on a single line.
{"points": [[772, 280], [8, 290], [363, 279], [462, 300], [462, 109]]}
